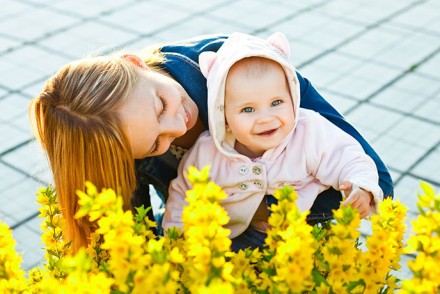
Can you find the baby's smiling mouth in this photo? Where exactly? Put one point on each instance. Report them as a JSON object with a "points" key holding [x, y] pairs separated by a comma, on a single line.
{"points": [[268, 133]]}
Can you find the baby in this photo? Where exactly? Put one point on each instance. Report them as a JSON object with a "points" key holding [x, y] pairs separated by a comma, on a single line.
{"points": [[260, 140]]}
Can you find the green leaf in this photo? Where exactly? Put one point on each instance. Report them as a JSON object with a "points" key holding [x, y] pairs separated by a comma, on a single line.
{"points": [[354, 284], [318, 278]]}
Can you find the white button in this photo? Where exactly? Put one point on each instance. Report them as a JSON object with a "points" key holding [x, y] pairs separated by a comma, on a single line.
{"points": [[243, 186], [259, 184], [256, 170], [243, 170]]}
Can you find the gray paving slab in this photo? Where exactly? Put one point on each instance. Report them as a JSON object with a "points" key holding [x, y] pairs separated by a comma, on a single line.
{"points": [[35, 22], [28, 64], [19, 201], [377, 61]]}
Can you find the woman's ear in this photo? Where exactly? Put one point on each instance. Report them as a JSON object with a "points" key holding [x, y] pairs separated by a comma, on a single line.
{"points": [[280, 41], [206, 60], [135, 60]]}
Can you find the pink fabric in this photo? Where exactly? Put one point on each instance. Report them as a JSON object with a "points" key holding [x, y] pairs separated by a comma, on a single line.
{"points": [[313, 157], [317, 156]]}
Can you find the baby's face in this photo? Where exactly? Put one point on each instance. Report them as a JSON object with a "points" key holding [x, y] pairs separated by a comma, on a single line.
{"points": [[259, 109]]}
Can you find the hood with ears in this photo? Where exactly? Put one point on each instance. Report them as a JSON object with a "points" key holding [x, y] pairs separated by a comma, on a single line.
{"points": [[215, 67]]}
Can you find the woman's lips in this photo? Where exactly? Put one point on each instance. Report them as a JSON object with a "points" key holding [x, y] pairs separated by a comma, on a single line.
{"points": [[187, 117]]}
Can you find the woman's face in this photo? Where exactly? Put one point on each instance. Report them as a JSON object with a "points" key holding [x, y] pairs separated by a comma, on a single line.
{"points": [[158, 111]]}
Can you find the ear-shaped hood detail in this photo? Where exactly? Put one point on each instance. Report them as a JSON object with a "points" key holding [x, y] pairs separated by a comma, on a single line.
{"points": [[279, 41], [206, 60], [215, 67]]}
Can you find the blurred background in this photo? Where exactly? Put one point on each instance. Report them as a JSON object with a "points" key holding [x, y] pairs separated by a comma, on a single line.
{"points": [[376, 61]]}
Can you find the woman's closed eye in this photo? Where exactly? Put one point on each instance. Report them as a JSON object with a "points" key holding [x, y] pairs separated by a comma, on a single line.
{"points": [[163, 108], [164, 104]]}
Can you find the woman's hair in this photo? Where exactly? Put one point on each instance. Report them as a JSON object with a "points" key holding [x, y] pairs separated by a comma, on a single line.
{"points": [[75, 119]]}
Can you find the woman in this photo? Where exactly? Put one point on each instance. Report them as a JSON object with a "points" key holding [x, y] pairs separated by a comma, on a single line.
{"points": [[95, 116]]}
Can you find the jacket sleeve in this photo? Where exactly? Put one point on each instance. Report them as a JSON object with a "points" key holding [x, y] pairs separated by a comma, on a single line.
{"points": [[178, 187], [176, 198], [311, 99], [335, 156]]}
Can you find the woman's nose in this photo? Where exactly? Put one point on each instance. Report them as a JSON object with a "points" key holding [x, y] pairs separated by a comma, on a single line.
{"points": [[175, 126], [175, 122]]}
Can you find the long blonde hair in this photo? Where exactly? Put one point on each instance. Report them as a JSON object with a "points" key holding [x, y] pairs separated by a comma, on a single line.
{"points": [[75, 119]]}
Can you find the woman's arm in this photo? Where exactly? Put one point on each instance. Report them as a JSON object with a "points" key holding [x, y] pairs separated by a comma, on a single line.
{"points": [[311, 99]]}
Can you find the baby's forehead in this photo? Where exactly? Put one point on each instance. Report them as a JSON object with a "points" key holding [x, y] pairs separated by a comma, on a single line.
{"points": [[253, 68], [254, 64]]}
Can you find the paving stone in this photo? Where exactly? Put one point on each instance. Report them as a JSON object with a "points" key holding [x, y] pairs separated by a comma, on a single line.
{"points": [[11, 8], [145, 17], [363, 80], [3, 94], [376, 61], [27, 65], [30, 247], [374, 120], [341, 103], [35, 22], [11, 137], [428, 167], [7, 44], [430, 67], [426, 15], [198, 25], [94, 8], [258, 14], [324, 71], [409, 94], [86, 38], [19, 201], [31, 159], [12, 106]]}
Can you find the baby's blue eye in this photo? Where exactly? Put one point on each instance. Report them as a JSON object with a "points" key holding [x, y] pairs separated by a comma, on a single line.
{"points": [[247, 109], [276, 103]]}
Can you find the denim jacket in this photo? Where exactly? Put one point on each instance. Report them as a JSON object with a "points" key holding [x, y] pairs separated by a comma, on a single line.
{"points": [[182, 64]]}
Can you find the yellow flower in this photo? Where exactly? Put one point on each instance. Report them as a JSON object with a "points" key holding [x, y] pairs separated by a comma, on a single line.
{"points": [[198, 176], [426, 244], [127, 258], [215, 287], [176, 256], [11, 275]]}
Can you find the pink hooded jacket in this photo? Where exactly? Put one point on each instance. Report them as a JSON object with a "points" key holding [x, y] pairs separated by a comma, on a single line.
{"points": [[314, 156]]}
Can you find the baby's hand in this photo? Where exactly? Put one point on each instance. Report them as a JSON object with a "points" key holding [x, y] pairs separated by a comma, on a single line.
{"points": [[357, 197]]}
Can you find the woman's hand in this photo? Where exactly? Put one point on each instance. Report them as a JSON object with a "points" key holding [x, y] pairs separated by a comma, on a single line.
{"points": [[357, 197]]}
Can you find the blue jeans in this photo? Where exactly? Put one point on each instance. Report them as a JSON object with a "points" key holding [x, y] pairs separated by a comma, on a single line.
{"points": [[249, 238], [320, 212]]}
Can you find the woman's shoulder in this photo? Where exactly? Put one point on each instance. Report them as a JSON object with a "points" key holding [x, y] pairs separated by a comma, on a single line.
{"points": [[192, 47]]}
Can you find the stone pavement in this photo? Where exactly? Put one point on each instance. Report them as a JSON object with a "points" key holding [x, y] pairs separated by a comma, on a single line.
{"points": [[377, 61]]}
